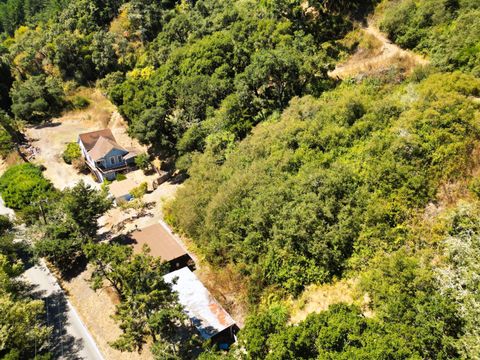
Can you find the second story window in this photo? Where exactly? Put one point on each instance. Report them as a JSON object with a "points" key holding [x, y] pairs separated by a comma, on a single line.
{"points": [[112, 160], [119, 158]]}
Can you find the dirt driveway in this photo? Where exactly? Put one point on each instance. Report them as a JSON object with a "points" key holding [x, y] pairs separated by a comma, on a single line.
{"points": [[51, 139], [121, 221]]}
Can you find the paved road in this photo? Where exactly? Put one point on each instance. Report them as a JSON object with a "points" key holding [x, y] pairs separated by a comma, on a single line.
{"points": [[70, 338]]}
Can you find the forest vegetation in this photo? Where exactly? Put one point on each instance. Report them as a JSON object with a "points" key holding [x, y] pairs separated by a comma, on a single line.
{"points": [[294, 178]]}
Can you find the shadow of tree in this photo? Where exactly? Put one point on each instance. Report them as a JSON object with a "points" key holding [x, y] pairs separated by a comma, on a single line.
{"points": [[124, 239], [119, 227], [47, 124], [78, 267], [178, 179], [61, 344]]}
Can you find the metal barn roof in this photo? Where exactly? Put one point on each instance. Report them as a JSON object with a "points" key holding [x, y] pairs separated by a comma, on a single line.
{"points": [[204, 311]]}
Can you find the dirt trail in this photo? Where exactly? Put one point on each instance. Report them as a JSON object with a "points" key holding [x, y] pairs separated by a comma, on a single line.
{"points": [[389, 54]]}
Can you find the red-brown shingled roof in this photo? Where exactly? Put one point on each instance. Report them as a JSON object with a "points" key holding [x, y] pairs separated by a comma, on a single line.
{"points": [[161, 243], [90, 139]]}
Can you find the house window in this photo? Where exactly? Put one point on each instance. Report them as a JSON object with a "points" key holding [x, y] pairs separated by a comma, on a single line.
{"points": [[112, 160], [119, 158]]}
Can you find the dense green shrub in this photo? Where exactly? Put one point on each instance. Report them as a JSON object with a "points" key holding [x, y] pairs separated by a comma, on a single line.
{"points": [[22, 185], [249, 61], [446, 30], [411, 319], [72, 152], [79, 102], [458, 277], [6, 142], [14, 13], [120, 177], [334, 177], [5, 224], [37, 99], [139, 191], [142, 161]]}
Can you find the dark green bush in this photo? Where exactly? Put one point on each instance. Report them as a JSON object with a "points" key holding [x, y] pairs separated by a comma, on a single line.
{"points": [[37, 99], [142, 161], [79, 102], [72, 152], [335, 177], [120, 177]]}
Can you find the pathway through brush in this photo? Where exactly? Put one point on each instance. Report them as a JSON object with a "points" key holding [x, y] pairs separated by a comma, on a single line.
{"points": [[389, 55]]}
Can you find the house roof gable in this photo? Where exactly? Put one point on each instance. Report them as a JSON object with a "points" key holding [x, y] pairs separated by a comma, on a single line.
{"points": [[103, 147], [90, 139]]}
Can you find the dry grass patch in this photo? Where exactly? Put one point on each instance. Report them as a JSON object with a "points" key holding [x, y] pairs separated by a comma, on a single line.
{"points": [[100, 108], [375, 54], [363, 45], [228, 287], [12, 159], [96, 310], [317, 298]]}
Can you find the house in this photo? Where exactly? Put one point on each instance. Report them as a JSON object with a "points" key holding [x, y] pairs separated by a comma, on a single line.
{"points": [[205, 313], [162, 244], [120, 190], [103, 155]]}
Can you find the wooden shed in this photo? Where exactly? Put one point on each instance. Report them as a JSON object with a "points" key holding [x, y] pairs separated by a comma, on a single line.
{"points": [[162, 244]]}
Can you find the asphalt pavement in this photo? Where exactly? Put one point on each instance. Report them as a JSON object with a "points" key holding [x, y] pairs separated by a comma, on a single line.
{"points": [[70, 338]]}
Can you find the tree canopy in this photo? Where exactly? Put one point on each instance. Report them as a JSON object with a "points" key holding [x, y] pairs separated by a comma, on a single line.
{"points": [[294, 178], [331, 179], [22, 185]]}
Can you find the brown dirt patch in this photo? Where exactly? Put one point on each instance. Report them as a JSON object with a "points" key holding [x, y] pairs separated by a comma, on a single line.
{"points": [[377, 55], [12, 159], [95, 310]]}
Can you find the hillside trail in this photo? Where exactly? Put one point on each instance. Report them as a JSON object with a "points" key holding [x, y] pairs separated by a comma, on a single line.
{"points": [[387, 55]]}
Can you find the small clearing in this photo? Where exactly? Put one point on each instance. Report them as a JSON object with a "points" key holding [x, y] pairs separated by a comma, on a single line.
{"points": [[52, 138], [385, 56], [119, 221], [317, 298]]}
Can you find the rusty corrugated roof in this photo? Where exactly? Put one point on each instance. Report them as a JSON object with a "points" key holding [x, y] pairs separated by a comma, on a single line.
{"points": [[208, 316]]}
